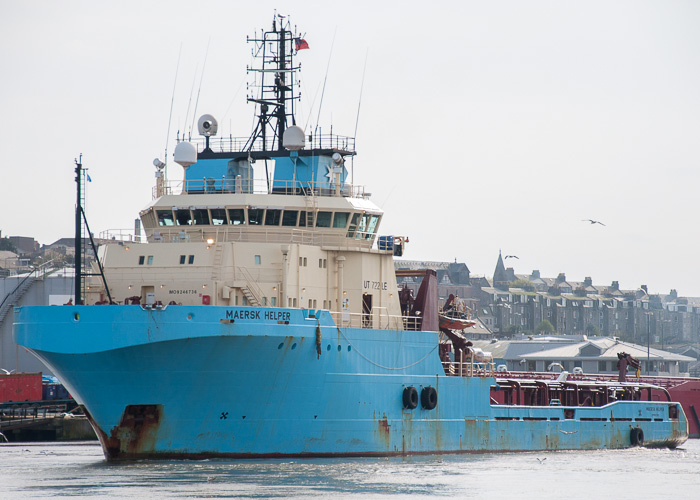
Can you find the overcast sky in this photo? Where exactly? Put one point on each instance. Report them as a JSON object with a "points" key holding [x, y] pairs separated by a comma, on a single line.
{"points": [[483, 125]]}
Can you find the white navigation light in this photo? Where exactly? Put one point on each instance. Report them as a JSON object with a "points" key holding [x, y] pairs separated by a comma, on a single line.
{"points": [[207, 125], [185, 154], [294, 138]]}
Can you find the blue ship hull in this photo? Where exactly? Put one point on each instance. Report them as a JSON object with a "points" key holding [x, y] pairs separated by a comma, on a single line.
{"points": [[198, 381]]}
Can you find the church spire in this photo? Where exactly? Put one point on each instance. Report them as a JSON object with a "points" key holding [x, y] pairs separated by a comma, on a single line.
{"points": [[500, 277]]}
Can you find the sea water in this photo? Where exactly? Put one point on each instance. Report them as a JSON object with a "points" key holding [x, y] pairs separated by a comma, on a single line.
{"points": [[52, 470]]}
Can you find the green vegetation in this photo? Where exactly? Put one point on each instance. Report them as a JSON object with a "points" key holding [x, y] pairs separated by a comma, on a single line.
{"points": [[526, 285], [545, 327], [6, 244]]}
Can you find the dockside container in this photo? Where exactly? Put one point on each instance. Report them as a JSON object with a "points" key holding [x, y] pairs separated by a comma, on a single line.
{"points": [[20, 387]]}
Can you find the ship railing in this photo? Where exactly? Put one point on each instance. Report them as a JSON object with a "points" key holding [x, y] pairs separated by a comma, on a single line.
{"points": [[251, 283], [258, 234], [232, 144], [228, 185], [118, 235], [469, 367], [378, 318]]}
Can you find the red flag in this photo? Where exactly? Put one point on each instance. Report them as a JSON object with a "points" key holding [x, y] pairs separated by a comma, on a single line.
{"points": [[300, 44]]}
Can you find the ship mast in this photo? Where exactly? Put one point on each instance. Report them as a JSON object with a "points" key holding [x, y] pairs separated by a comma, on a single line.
{"points": [[274, 51]]}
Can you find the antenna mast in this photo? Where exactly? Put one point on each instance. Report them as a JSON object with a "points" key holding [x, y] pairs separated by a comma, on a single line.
{"points": [[274, 50]]}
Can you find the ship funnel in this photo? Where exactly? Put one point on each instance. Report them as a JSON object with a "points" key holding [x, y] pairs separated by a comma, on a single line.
{"points": [[185, 154], [294, 138]]}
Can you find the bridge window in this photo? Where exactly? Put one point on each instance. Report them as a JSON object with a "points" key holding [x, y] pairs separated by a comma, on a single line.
{"points": [[323, 219], [218, 216], [272, 217], [306, 219], [165, 218], [236, 216], [341, 219], [183, 217], [289, 217], [255, 216], [372, 227], [353, 225], [200, 217], [142, 259]]}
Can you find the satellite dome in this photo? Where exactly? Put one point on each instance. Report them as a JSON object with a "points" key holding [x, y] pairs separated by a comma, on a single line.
{"points": [[294, 138], [185, 154]]}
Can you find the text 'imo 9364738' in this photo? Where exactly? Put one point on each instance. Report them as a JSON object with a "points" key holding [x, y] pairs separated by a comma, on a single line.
{"points": [[262, 318]]}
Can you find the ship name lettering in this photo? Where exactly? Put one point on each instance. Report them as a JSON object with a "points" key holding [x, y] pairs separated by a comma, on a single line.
{"points": [[253, 314], [374, 285]]}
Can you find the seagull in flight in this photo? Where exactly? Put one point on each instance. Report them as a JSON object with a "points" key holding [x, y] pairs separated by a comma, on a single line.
{"points": [[511, 257], [593, 221]]}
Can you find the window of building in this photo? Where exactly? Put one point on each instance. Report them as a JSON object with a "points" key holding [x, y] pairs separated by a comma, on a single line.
{"points": [[289, 217], [272, 217], [150, 260], [218, 216], [323, 219], [255, 216], [183, 217], [142, 259], [200, 217], [165, 218], [182, 259], [602, 366], [190, 260], [340, 219], [258, 260], [273, 301], [244, 300], [264, 303], [236, 216]]}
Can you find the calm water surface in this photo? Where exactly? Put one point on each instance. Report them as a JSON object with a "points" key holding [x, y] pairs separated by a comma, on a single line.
{"points": [[49, 470]]}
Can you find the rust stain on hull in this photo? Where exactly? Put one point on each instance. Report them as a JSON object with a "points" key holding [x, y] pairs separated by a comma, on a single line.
{"points": [[135, 436]]}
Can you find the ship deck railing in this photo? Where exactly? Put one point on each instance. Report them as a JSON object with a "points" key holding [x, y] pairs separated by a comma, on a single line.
{"points": [[228, 185], [230, 144], [469, 367], [244, 233], [378, 318]]}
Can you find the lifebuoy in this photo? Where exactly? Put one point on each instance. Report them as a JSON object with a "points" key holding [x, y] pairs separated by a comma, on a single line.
{"points": [[637, 437], [428, 398], [410, 398]]}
